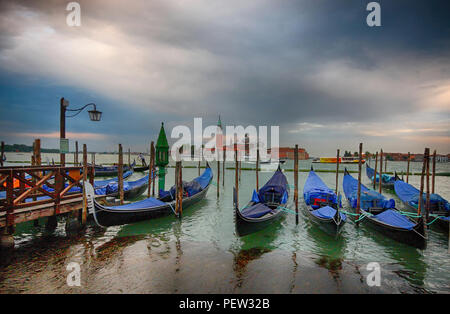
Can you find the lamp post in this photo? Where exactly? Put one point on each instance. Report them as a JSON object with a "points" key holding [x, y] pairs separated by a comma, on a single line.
{"points": [[94, 115], [162, 157]]}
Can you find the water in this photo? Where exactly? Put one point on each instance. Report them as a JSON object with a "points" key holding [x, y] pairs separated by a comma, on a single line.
{"points": [[202, 254]]}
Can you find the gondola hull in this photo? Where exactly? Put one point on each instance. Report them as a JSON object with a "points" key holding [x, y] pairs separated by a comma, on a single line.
{"points": [[382, 216], [109, 173], [370, 173], [140, 169], [439, 224], [413, 237], [245, 226], [110, 218], [329, 226]]}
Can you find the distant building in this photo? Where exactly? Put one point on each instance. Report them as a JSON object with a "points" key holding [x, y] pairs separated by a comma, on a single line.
{"points": [[414, 157], [288, 153]]}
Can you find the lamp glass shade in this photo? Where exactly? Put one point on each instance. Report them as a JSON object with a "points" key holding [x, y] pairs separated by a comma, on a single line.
{"points": [[95, 115]]}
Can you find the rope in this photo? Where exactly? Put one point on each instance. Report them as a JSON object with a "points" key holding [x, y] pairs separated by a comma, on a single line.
{"points": [[409, 214], [363, 215], [437, 217], [288, 210]]}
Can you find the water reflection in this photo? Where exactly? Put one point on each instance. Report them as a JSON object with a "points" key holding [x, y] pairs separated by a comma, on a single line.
{"points": [[408, 262], [252, 247], [330, 249]]}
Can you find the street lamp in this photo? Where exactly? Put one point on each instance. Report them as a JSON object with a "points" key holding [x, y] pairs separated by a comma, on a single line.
{"points": [[94, 115]]}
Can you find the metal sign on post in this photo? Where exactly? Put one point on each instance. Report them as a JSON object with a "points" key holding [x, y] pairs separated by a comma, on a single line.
{"points": [[63, 146]]}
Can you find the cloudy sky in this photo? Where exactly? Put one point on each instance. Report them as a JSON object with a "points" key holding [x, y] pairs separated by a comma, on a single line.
{"points": [[313, 67]]}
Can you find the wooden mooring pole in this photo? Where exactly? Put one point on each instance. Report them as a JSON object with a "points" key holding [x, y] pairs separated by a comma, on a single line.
{"points": [[419, 208], [150, 168], [75, 157], [375, 173], [257, 169], [433, 176], [85, 170], [37, 152], [37, 160], [380, 180], [236, 174], [153, 152], [240, 167], [296, 182], [358, 200], [337, 171], [218, 174], [2, 153], [129, 157], [407, 167], [179, 185], [223, 165], [427, 203], [120, 174], [200, 160]]}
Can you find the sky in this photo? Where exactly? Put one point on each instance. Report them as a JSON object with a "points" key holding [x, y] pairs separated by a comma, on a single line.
{"points": [[313, 67]]}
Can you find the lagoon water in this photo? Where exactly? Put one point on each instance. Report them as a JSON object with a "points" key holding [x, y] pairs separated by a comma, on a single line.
{"points": [[202, 254]]}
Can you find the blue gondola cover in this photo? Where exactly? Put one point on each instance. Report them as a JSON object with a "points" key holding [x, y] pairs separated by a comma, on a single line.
{"points": [[255, 197], [255, 211], [277, 184], [327, 212], [316, 190], [369, 198], [147, 203], [394, 218], [384, 177], [409, 194]]}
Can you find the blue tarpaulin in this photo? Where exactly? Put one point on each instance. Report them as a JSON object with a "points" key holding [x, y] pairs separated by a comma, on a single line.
{"points": [[409, 194], [369, 198], [394, 218], [384, 177], [255, 197], [127, 185], [255, 211], [205, 178], [277, 185], [327, 212], [147, 203], [191, 188], [315, 191]]}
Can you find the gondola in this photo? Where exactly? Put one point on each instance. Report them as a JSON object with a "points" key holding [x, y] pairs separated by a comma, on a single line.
{"points": [[387, 181], [439, 207], [99, 186], [264, 208], [140, 169], [109, 187], [131, 189], [149, 208], [381, 214], [322, 205], [111, 171]]}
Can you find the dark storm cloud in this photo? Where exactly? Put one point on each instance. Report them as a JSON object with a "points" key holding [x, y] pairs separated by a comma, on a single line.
{"points": [[259, 62]]}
